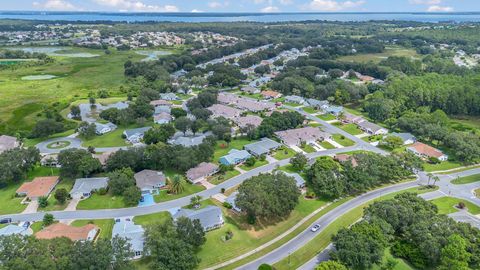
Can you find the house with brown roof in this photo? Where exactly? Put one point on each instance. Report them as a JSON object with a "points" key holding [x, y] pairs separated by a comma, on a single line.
{"points": [[248, 120], [371, 128], [150, 181], [202, 171], [39, 187], [346, 158], [160, 102], [295, 137], [218, 110], [349, 118], [85, 233], [7, 143], [426, 151], [270, 94]]}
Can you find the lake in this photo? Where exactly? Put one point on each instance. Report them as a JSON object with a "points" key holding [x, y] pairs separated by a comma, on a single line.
{"points": [[235, 17], [152, 55], [55, 51]]}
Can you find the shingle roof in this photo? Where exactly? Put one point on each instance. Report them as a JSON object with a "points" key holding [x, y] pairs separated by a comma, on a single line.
{"points": [[14, 229], [225, 111], [7, 143], [404, 136], [87, 185], [370, 126], [160, 102], [136, 131], [264, 146], [149, 179], [130, 231], [64, 230], [209, 216], [235, 155], [203, 169], [245, 121], [306, 134]]}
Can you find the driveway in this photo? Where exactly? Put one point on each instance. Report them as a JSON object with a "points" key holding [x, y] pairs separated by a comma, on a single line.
{"points": [[32, 207], [74, 143]]}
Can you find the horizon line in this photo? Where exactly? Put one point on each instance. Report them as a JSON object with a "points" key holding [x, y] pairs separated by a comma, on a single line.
{"points": [[240, 13]]}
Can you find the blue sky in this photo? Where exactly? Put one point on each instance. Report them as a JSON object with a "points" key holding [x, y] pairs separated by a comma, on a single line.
{"points": [[244, 5]]}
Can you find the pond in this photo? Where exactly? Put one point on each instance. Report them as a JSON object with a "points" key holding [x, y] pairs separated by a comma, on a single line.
{"points": [[38, 77], [152, 55], [56, 51]]}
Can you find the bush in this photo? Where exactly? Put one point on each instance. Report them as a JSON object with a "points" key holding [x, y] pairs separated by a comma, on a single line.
{"points": [[227, 205], [43, 202], [461, 205], [265, 267], [102, 191]]}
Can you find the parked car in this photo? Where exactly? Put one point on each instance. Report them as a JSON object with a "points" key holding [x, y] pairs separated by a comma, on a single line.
{"points": [[315, 227], [5, 221]]}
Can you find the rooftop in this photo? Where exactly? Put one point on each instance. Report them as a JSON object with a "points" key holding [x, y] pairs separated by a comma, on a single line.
{"points": [[40, 186], [264, 146], [426, 149], [71, 232], [87, 185], [203, 169], [149, 179], [7, 143], [306, 134], [209, 216]]}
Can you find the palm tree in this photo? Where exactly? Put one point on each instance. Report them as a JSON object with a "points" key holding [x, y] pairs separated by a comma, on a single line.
{"points": [[176, 185], [430, 175], [195, 201], [435, 179]]}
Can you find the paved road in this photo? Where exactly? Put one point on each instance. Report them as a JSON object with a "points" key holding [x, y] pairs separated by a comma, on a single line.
{"points": [[74, 143], [165, 206]]}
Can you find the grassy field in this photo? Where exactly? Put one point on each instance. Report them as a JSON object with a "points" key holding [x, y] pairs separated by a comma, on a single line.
{"points": [[284, 153], [257, 164], [148, 219], [477, 192], [223, 148], [340, 139], [442, 166], [322, 240], [401, 264], [189, 189], [466, 180], [9, 204], [327, 117], [326, 145], [101, 202], [36, 226], [377, 57], [309, 110], [351, 129], [308, 148], [446, 205], [111, 139], [105, 225], [219, 177]]}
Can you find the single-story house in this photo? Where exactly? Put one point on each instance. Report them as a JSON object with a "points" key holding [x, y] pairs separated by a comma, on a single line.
{"points": [[103, 157], [219, 110], [371, 128], [346, 158], [150, 181], [7, 143], [202, 171], [101, 129], [168, 96], [407, 138], [15, 229], [84, 187], [297, 136], [160, 102], [298, 179], [335, 110], [231, 200], [135, 135], [134, 234], [248, 120], [294, 99], [270, 94], [162, 109], [250, 90], [162, 118], [88, 232], [210, 217], [188, 139], [262, 147], [39, 187], [426, 151], [351, 118], [50, 160], [235, 157], [317, 104]]}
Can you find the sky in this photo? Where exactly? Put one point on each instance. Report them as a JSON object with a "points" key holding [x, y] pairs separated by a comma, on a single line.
{"points": [[244, 5]]}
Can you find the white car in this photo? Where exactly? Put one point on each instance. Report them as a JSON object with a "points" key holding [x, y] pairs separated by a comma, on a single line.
{"points": [[315, 227]]}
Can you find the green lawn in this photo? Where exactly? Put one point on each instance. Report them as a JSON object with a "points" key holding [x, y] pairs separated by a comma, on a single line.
{"points": [[446, 205], [222, 148], [101, 202], [342, 140], [377, 57], [308, 148], [466, 180], [326, 145], [9, 204], [105, 225], [33, 142], [189, 189], [151, 218], [111, 139], [219, 177], [314, 124], [401, 264], [477, 192], [284, 153], [309, 110], [322, 240], [53, 204], [442, 166], [351, 129], [289, 169], [257, 164], [36, 226], [247, 237], [327, 117]]}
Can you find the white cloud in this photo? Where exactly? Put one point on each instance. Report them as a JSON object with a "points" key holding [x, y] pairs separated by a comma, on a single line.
{"points": [[286, 2], [134, 5], [60, 5], [270, 9], [436, 8], [331, 5], [216, 4], [425, 2], [196, 11]]}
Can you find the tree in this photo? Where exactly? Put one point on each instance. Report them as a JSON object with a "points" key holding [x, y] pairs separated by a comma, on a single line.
{"points": [[43, 202], [16, 163], [77, 163], [132, 195], [250, 162], [454, 254], [46, 127], [195, 201], [120, 181], [183, 124], [75, 112], [159, 134], [61, 195], [178, 112], [392, 142], [268, 196], [87, 130], [299, 161], [331, 265], [48, 220], [190, 231], [176, 185]]}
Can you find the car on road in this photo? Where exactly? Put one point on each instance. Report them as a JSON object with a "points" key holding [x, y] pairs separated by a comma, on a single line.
{"points": [[315, 227], [5, 221]]}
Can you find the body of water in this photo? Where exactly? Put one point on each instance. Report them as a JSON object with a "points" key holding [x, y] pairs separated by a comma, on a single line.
{"points": [[235, 17]]}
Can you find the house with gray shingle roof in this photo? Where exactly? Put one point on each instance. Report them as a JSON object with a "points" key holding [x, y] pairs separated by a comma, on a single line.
{"points": [[407, 138], [294, 137], [150, 181], [134, 234], [168, 96], [8, 142], [135, 135], [263, 147], [235, 157], [84, 187], [162, 118], [218, 110], [203, 170], [248, 120], [189, 139], [372, 128], [294, 99], [101, 129], [15, 229], [210, 217], [231, 200]]}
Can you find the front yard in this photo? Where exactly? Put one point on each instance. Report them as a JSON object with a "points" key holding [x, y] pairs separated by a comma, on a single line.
{"points": [[105, 225], [222, 148], [257, 164], [283, 153], [189, 189], [221, 177], [53, 204], [111, 139], [351, 129], [442, 166], [340, 139], [151, 218], [308, 148], [326, 145], [97, 201]]}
